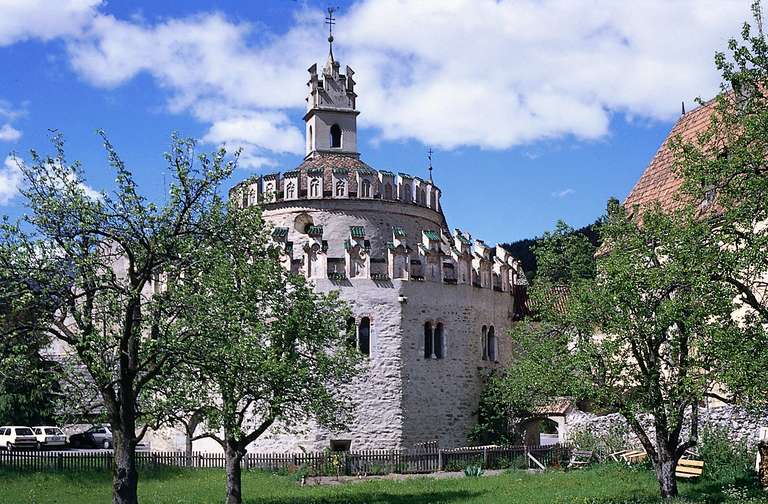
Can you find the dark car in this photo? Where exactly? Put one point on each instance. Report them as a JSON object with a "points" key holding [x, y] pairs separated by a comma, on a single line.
{"points": [[98, 436]]}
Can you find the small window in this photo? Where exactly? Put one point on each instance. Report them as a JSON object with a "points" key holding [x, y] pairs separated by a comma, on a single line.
{"points": [[484, 342], [311, 139], [491, 344], [439, 341], [428, 340], [314, 188], [388, 191], [340, 186], [351, 332], [335, 137], [407, 195], [365, 189], [341, 445], [364, 336], [290, 190]]}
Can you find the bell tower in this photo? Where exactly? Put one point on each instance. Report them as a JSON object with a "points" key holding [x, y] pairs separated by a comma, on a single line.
{"points": [[331, 118]]}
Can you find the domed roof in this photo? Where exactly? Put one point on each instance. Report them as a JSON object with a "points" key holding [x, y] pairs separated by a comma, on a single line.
{"points": [[327, 163]]}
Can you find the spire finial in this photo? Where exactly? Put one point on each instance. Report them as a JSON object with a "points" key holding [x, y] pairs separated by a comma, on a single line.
{"points": [[330, 21], [429, 157]]}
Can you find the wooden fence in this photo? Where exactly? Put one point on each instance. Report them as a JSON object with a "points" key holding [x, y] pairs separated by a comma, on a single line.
{"points": [[368, 462]]}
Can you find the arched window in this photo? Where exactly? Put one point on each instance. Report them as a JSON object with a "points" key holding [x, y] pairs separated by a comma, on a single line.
{"points": [[439, 341], [364, 336], [422, 197], [491, 344], [340, 185], [407, 194], [290, 189], [311, 139], [245, 198], [388, 191], [484, 342], [335, 137], [428, 340], [365, 189], [351, 332], [314, 188], [433, 200]]}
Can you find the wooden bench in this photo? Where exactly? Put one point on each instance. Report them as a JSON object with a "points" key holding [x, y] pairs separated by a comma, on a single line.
{"points": [[687, 468], [629, 456], [580, 458]]}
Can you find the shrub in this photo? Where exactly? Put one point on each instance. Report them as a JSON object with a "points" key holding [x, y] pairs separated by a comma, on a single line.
{"points": [[724, 459], [473, 471], [601, 443]]}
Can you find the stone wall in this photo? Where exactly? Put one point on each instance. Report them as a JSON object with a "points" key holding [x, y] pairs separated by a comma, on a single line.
{"points": [[740, 424]]}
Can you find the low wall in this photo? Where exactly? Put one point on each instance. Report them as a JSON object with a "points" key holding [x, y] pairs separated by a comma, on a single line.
{"points": [[738, 423]]}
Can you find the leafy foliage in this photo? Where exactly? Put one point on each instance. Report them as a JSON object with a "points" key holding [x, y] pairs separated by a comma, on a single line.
{"points": [[265, 349], [725, 173], [88, 268]]}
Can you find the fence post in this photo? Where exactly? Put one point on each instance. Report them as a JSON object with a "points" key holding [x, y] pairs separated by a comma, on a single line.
{"points": [[485, 458], [60, 461], [439, 460]]}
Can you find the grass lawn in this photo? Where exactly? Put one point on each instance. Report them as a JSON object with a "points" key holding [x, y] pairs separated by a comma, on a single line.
{"points": [[602, 484]]}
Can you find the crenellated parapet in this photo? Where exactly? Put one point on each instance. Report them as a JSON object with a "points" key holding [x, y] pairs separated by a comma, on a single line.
{"points": [[434, 256], [338, 183]]}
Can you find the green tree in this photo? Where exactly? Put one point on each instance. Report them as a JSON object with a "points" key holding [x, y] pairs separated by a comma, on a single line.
{"points": [[637, 337], [267, 350], [564, 255], [91, 264], [725, 172]]}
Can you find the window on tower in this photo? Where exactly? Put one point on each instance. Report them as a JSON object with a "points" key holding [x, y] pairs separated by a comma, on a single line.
{"points": [[340, 188], [335, 137], [314, 188], [365, 188]]}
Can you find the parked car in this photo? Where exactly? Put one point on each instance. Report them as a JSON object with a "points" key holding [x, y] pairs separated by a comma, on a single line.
{"points": [[49, 437], [17, 438], [98, 436]]}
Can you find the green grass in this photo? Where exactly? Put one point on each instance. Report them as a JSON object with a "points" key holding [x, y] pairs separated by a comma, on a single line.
{"points": [[602, 484]]}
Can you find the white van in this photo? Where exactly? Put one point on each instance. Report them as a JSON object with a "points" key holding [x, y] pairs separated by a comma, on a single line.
{"points": [[17, 438]]}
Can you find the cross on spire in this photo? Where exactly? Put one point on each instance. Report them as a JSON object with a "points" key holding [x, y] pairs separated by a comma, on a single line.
{"points": [[429, 157], [330, 21]]}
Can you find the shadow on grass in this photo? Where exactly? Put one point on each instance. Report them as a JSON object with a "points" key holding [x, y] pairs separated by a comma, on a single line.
{"points": [[373, 498]]}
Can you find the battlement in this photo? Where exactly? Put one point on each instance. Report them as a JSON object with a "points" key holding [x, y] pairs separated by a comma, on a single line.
{"points": [[334, 182], [434, 256]]}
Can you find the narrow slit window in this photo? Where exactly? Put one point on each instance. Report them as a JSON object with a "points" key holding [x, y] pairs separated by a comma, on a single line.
{"points": [[428, 340], [364, 336]]}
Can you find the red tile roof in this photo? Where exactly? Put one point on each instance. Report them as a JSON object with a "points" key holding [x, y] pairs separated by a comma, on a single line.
{"points": [[659, 182]]}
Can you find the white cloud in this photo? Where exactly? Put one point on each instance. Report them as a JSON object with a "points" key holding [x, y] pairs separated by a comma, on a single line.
{"points": [[10, 178], [43, 19], [8, 133], [492, 74], [563, 193]]}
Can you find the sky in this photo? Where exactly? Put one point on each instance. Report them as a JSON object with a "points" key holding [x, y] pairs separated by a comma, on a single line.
{"points": [[537, 110]]}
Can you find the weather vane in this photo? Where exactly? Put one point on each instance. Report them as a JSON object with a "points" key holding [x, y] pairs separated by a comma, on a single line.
{"points": [[429, 156], [330, 21]]}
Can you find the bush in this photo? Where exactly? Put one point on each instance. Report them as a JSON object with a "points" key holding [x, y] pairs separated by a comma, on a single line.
{"points": [[473, 471], [724, 459], [601, 444]]}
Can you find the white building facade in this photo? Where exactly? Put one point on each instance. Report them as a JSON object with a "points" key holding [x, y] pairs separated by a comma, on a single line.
{"points": [[431, 306]]}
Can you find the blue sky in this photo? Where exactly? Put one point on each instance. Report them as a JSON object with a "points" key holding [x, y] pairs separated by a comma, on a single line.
{"points": [[537, 110]]}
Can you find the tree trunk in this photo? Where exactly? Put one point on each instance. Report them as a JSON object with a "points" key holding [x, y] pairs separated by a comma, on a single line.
{"points": [[665, 471], [125, 477], [762, 447], [188, 449], [233, 456]]}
